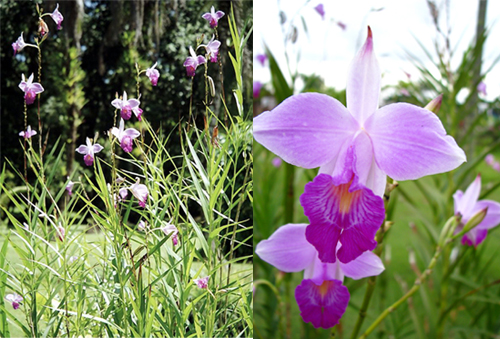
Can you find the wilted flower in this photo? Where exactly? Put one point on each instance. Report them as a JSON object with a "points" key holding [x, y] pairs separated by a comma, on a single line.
{"points": [[213, 17], [202, 282], [43, 28], [30, 88], [257, 85], [212, 49], [467, 205], [89, 150], [125, 137], [15, 299], [321, 10], [153, 74], [171, 229], [19, 44], [262, 59], [28, 133], [192, 62], [140, 191], [69, 187], [126, 107], [481, 88], [57, 17]]}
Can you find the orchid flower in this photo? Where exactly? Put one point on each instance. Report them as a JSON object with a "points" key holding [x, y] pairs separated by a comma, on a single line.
{"points": [[192, 62], [321, 11], [213, 17], [489, 159], [212, 49], [358, 146], [321, 296], [126, 107], [140, 191], [202, 282], [43, 29], [30, 88], [15, 299], [89, 150], [125, 137], [57, 17], [69, 187], [257, 85], [28, 133], [262, 58], [467, 205], [141, 226], [481, 88], [153, 74], [171, 229], [19, 45]]}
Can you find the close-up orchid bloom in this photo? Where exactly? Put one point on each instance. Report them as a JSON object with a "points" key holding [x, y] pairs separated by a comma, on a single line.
{"points": [[321, 10], [28, 133], [170, 229], [213, 17], [30, 89], [125, 136], [127, 106], [467, 205], [192, 62], [257, 86], [358, 146], [261, 58], [322, 298], [57, 17], [88, 151], [153, 74], [19, 45], [140, 191], [202, 282], [212, 49], [69, 187], [15, 299]]}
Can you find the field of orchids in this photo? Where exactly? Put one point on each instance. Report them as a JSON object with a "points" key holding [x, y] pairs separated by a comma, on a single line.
{"points": [[395, 236], [147, 230]]}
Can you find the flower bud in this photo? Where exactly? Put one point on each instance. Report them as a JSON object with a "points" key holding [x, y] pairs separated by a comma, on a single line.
{"points": [[211, 85], [475, 220], [43, 29], [435, 104]]}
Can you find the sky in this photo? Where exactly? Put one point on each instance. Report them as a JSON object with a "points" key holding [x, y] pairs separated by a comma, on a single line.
{"points": [[327, 50]]}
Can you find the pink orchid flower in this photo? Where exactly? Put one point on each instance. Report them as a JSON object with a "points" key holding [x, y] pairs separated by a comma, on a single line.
{"points": [[321, 10], [28, 133], [30, 88], [19, 45], [262, 59], [69, 187], [171, 229], [125, 137], [213, 17], [153, 74], [322, 298], [212, 49], [357, 147], [192, 62], [89, 150], [257, 86], [467, 205], [15, 299], [57, 17], [202, 282], [140, 191], [127, 106]]}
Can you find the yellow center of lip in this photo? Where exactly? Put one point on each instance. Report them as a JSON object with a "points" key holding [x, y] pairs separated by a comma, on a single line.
{"points": [[346, 198], [324, 287]]}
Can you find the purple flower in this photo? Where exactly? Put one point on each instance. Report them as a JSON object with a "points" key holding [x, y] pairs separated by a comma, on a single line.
{"points": [[69, 187], [481, 88], [170, 229], [89, 150], [140, 191], [257, 85], [28, 133], [125, 137], [30, 89], [321, 11], [467, 205], [153, 74], [57, 17], [15, 299], [202, 282], [126, 107], [358, 146], [490, 159], [212, 49], [262, 59], [276, 162], [321, 297], [19, 44], [496, 166], [192, 62], [213, 17]]}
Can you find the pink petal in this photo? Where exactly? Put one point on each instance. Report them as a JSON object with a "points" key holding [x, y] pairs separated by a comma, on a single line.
{"points": [[82, 149], [287, 248], [207, 16], [134, 103], [219, 14], [132, 132], [457, 197], [492, 218], [474, 237], [201, 59], [410, 142], [467, 202], [320, 271], [97, 148], [366, 265], [306, 130], [322, 305], [117, 103], [37, 88], [363, 82]]}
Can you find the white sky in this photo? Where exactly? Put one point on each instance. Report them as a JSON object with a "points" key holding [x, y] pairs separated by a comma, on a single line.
{"points": [[329, 50]]}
